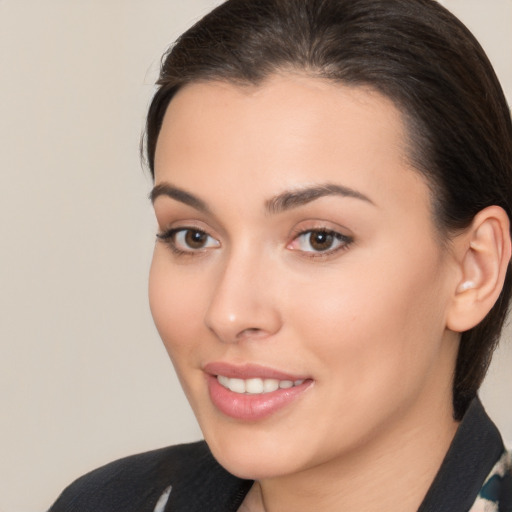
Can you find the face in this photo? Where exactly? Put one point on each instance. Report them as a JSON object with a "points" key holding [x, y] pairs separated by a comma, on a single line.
{"points": [[297, 282]]}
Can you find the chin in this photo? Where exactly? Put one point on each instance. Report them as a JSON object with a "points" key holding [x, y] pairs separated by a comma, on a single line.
{"points": [[252, 466], [255, 452]]}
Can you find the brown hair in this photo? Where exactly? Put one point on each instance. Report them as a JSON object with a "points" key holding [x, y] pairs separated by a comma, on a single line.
{"points": [[413, 51]]}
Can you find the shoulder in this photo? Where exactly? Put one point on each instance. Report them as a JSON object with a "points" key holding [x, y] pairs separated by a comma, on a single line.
{"points": [[136, 483]]}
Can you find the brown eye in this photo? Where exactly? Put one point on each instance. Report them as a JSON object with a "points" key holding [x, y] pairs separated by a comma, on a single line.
{"points": [[188, 240], [195, 239], [321, 240]]}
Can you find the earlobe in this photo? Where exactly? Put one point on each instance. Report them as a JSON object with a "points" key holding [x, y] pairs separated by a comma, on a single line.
{"points": [[483, 252]]}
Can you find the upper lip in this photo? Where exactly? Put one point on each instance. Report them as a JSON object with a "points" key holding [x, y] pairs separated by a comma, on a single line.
{"points": [[248, 371]]}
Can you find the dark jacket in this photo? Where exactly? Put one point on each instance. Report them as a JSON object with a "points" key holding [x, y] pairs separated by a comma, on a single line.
{"points": [[476, 473]]}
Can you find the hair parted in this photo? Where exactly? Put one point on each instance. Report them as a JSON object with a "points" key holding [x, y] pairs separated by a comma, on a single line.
{"points": [[414, 52]]}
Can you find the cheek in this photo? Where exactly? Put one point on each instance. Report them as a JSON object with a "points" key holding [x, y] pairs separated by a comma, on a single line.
{"points": [[175, 304], [177, 307], [369, 324]]}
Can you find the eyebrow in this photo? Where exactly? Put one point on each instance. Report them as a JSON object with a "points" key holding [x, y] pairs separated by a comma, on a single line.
{"points": [[295, 198], [165, 189], [285, 201]]}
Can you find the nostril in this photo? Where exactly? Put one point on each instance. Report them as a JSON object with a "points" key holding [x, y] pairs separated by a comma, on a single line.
{"points": [[251, 332]]}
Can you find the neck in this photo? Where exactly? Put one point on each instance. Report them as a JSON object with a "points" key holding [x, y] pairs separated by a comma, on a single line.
{"points": [[392, 471]]}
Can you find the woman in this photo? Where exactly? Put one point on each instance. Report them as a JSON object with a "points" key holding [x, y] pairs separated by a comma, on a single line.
{"points": [[331, 272]]}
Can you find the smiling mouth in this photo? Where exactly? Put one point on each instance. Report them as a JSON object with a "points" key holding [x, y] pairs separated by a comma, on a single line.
{"points": [[256, 386]]}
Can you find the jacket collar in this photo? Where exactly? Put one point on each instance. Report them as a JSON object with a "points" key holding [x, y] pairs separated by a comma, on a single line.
{"points": [[476, 447]]}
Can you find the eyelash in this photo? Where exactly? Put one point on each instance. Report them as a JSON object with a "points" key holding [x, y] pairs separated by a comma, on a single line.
{"points": [[344, 242], [169, 238]]}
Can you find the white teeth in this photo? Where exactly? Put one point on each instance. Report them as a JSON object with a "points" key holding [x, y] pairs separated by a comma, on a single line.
{"points": [[256, 386], [270, 385], [223, 380], [237, 385]]}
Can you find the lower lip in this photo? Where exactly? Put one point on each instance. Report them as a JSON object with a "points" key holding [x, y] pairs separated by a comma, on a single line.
{"points": [[248, 407]]}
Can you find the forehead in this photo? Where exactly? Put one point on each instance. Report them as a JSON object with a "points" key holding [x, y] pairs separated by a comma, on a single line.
{"points": [[294, 105], [289, 131]]}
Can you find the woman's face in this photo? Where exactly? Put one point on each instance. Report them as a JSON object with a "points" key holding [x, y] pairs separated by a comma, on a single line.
{"points": [[297, 281]]}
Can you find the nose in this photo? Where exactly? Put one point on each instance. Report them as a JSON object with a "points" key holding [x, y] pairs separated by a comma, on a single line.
{"points": [[243, 304]]}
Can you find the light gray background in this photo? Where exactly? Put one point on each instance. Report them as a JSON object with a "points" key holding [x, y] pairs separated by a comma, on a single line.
{"points": [[83, 376]]}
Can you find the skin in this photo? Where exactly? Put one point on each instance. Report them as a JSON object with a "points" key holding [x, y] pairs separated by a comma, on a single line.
{"points": [[365, 320]]}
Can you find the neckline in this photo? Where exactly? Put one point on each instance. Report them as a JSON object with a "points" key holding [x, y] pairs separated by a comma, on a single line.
{"points": [[475, 448]]}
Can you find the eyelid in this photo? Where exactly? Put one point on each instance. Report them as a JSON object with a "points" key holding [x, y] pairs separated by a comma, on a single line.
{"points": [[168, 237], [344, 240]]}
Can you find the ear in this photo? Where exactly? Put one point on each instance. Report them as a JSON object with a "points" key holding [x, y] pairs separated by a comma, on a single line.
{"points": [[483, 253]]}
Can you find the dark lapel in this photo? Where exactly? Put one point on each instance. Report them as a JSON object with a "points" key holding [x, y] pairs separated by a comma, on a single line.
{"points": [[475, 449]]}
